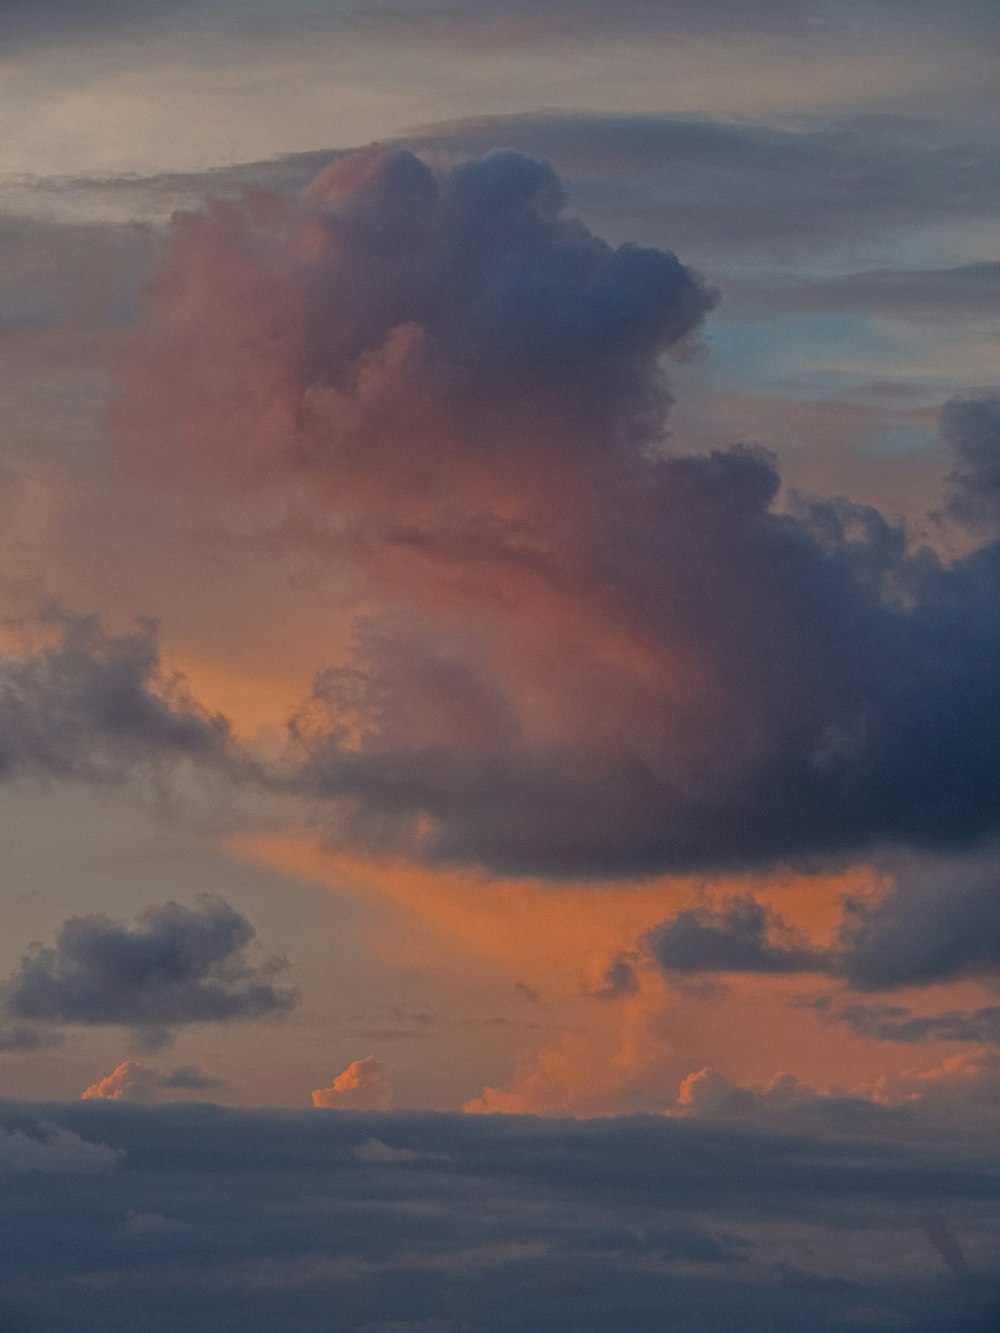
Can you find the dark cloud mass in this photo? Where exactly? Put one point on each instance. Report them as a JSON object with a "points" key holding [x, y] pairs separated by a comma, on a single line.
{"points": [[91, 706], [210, 1219], [928, 928], [741, 936], [588, 654], [176, 966], [972, 426]]}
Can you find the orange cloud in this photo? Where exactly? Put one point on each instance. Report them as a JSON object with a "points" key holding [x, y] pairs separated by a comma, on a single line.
{"points": [[130, 1082], [361, 1087]]}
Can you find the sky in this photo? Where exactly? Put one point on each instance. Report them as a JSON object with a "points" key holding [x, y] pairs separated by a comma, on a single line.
{"points": [[499, 629]]}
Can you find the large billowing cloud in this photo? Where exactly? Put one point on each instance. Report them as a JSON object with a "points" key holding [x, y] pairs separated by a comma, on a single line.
{"points": [[579, 652], [177, 966]]}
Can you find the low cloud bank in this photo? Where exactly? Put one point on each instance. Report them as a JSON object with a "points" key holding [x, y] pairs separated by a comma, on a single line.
{"points": [[274, 1219]]}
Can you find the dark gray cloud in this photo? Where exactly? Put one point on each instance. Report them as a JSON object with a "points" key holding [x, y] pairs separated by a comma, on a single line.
{"points": [[933, 926], [215, 1219], [24, 1038], [927, 929], [740, 936], [175, 966], [92, 705], [971, 425], [893, 1022]]}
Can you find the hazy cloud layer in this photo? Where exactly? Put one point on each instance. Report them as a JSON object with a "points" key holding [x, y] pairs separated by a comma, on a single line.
{"points": [[177, 965], [895, 1022], [731, 191], [219, 1219]]}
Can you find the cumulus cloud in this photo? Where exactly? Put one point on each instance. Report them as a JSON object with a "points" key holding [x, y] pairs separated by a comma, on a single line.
{"points": [[133, 1082], [177, 965], [740, 936], [707, 1092], [964, 1087], [91, 705], [582, 654], [362, 1086]]}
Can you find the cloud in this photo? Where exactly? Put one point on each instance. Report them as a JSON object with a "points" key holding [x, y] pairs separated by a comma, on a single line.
{"points": [[931, 926], [740, 936], [23, 1038], [965, 1085], [54, 1150], [91, 706], [971, 424], [25, 26], [709, 1093], [894, 1022], [970, 291], [132, 1082], [617, 979], [261, 1218], [733, 190], [926, 929], [582, 654], [177, 965], [375, 1152], [362, 1086]]}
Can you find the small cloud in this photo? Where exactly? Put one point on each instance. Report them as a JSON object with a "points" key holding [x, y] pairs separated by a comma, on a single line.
{"points": [[175, 965], [375, 1152], [618, 980], [22, 1038], [133, 1082], [529, 993], [190, 1078], [361, 1087], [57, 1150]]}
